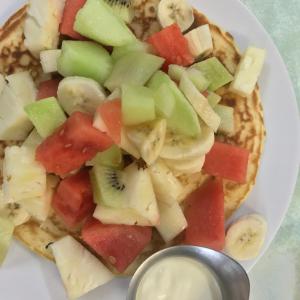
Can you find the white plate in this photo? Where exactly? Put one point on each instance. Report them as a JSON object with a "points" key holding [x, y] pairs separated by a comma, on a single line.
{"points": [[26, 276]]}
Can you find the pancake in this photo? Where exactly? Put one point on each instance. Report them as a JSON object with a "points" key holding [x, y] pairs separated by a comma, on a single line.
{"points": [[248, 113]]}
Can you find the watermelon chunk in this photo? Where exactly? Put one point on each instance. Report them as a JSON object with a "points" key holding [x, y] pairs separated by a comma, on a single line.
{"points": [[205, 216], [170, 44], [111, 115], [74, 143], [227, 161], [48, 89], [70, 11], [117, 244], [73, 200]]}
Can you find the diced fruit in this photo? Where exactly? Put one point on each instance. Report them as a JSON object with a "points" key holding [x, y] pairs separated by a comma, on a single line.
{"points": [[198, 79], [205, 216], [178, 147], [140, 193], [127, 146], [73, 200], [115, 94], [226, 114], [99, 123], [97, 21], [83, 276], [200, 41], [175, 11], [172, 221], [111, 115], [22, 86], [70, 11], [76, 142], [14, 123], [175, 72], [40, 207], [199, 103], [41, 28], [213, 99], [49, 60], [248, 71], [48, 89], [166, 186], [119, 245], [23, 177], [184, 119], [135, 46], [133, 68], [111, 157], [215, 72], [170, 44], [227, 161], [164, 101], [123, 11], [86, 59], [46, 115], [123, 216], [109, 186], [186, 166], [137, 105], [6, 234], [80, 94]]}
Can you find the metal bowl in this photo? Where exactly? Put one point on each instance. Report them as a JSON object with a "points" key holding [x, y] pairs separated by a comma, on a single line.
{"points": [[230, 275]]}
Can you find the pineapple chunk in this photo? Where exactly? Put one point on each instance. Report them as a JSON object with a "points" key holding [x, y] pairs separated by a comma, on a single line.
{"points": [[23, 86], [248, 71], [14, 123], [200, 41], [80, 271], [172, 221], [41, 27], [23, 177], [49, 60], [40, 207]]}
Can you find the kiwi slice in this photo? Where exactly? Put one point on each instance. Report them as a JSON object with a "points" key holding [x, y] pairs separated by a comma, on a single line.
{"points": [[108, 186]]}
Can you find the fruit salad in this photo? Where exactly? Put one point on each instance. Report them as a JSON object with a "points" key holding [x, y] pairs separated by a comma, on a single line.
{"points": [[104, 142]]}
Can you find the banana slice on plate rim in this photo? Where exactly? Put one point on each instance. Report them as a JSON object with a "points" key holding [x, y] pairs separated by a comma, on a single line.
{"points": [[245, 237]]}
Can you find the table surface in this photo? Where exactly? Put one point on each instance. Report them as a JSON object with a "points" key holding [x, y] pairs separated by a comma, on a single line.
{"points": [[277, 275]]}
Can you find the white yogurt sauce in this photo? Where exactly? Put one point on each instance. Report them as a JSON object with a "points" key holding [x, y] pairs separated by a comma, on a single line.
{"points": [[178, 278]]}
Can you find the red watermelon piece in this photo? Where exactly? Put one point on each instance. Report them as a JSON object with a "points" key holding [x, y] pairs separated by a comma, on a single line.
{"points": [[205, 216], [171, 44], [74, 143], [73, 200], [117, 244], [70, 11], [227, 161], [48, 89]]}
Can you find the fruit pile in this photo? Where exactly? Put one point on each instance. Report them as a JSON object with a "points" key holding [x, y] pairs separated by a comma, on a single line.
{"points": [[106, 142]]}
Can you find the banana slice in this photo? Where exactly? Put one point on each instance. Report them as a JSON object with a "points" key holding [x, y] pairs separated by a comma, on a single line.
{"points": [[13, 212], [178, 147], [245, 237], [187, 166], [127, 145], [80, 94], [154, 142], [175, 11], [166, 186]]}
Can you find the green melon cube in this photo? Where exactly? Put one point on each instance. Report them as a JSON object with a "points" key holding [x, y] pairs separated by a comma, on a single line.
{"points": [[198, 79], [183, 119], [215, 72], [86, 59], [46, 115], [164, 101], [137, 105], [133, 68], [97, 21], [111, 157], [226, 114], [175, 72], [213, 99]]}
